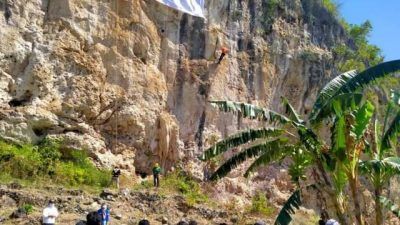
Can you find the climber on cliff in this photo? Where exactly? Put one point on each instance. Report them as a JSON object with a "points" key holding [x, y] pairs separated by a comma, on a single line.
{"points": [[156, 174], [224, 51], [7, 13]]}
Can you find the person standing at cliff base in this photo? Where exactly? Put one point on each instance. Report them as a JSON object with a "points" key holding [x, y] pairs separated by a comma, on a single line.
{"points": [[115, 176], [104, 212], [50, 213], [156, 174], [324, 219], [224, 51]]}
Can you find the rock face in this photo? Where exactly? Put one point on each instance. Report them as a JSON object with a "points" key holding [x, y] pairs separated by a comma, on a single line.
{"points": [[129, 80]]}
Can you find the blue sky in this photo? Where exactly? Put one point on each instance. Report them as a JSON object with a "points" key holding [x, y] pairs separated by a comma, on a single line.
{"points": [[385, 18]]}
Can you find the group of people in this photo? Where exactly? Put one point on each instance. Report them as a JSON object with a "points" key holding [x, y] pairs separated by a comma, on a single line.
{"points": [[50, 213]]}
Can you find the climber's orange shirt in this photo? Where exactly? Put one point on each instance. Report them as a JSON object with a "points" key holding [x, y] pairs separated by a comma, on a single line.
{"points": [[224, 50]]}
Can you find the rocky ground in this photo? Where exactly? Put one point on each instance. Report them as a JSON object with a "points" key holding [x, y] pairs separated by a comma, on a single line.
{"points": [[127, 207]]}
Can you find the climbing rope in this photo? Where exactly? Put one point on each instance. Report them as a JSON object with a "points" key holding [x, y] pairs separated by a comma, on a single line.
{"points": [[145, 63], [117, 100]]}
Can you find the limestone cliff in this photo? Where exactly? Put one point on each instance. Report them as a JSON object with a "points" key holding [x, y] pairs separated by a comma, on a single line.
{"points": [[129, 80]]}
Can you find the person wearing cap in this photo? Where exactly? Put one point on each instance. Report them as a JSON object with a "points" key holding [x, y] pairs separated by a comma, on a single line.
{"points": [[156, 174], [104, 212], [50, 213], [224, 51]]}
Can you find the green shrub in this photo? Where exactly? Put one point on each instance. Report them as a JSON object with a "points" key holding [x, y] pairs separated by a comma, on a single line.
{"points": [[75, 174], [308, 55], [28, 208], [190, 189], [144, 185], [47, 161], [363, 55], [50, 154], [269, 12], [22, 162], [260, 205], [331, 6]]}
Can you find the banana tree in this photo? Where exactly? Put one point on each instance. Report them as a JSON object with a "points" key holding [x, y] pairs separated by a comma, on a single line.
{"points": [[349, 137], [347, 83], [341, 91], [383, 163], [267, 145]]}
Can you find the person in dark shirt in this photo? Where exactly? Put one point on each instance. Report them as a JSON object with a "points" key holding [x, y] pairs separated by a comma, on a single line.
{"points": [[115, 176]]}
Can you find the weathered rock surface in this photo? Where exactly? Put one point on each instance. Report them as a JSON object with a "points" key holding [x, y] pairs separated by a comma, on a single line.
{"points": [[129, 80], [124, 210]]}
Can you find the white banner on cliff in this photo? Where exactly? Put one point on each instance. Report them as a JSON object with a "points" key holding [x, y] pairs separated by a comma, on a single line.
{"points": [[192, 7]]}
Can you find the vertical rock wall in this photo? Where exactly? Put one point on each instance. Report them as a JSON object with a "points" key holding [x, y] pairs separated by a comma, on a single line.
{"points": [[129, 80]]}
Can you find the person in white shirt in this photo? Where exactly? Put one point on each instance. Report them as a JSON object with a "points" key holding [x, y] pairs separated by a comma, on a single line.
{"points": [[325, 221], [50, 213], [332, 222]]}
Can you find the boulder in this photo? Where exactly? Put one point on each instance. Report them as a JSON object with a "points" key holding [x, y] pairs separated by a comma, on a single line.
{"points": [[6, 201], [19, 213], [108, 194], [118, 216]]}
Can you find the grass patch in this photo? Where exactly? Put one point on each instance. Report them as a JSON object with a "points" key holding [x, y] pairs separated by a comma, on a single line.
{"points": [[260, 205], [190, 189], [28, 208], [47, 163], [176, 182]]}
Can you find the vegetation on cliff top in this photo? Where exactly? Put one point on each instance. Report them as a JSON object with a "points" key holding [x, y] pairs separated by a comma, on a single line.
{"points": [[361, 54]]}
